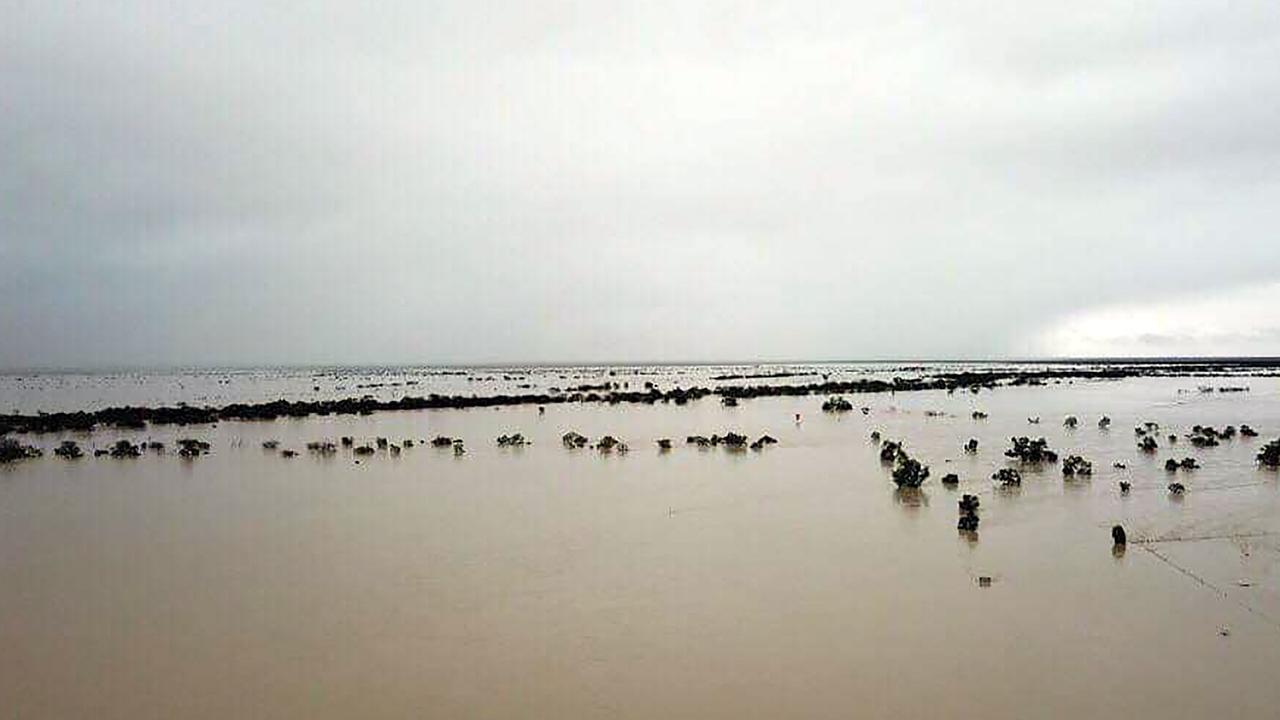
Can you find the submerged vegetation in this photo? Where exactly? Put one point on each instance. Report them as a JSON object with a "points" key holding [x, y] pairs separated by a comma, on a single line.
{"points": [[1007, 477], [606, 392], [836, 403], [125, 449], [1031, 451], [191, 448], [890, 450], [573, 439], [1026, 454], [909, 472], [11, 450], [1076, 465], [1269, 455], [968, 513], [512, 440]]}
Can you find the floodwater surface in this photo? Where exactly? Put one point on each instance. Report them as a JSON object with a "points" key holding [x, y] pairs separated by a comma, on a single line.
{"points": [[794, 581]]}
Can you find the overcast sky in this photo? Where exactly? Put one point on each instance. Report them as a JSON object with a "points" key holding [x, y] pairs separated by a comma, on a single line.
{"points": [[331, 182]]}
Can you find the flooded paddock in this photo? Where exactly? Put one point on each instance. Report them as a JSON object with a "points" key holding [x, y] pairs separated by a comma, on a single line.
{"points": [[540, 581]]}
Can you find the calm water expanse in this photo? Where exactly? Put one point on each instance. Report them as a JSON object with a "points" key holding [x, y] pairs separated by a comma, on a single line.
{"points": [[545, 582]]}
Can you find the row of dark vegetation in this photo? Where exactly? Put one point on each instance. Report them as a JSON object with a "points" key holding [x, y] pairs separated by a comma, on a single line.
{"points": [[12, 449], [140, 417]]}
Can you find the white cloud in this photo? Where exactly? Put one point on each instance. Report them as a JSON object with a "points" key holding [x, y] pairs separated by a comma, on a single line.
{"points": [[1233, 322]]}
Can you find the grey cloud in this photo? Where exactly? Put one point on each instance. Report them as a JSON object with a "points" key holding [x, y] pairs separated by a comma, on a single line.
{"points": [[335, 182]]}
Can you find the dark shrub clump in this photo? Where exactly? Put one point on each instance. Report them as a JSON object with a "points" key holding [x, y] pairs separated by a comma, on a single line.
{"points": [[11, 450], [69, 450], [1076, 465], [1028, 450], [1269, 455], [1007, 477]]}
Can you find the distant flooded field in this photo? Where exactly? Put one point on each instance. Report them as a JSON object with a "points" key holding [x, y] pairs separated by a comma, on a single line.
{"points": [[539, 580]]}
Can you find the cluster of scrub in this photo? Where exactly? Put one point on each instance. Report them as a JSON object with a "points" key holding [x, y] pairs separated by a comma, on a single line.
{"points": [[12, 450], [328, 448], [730, 440], [909, 473], [1200, 436], [968, 513], [574, 440]]}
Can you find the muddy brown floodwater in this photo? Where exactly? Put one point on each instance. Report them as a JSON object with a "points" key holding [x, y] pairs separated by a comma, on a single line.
{"points": [[544, 582]]}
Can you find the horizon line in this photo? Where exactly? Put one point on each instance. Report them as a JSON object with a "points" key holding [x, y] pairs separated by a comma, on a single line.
{"points": [[481, 365]]}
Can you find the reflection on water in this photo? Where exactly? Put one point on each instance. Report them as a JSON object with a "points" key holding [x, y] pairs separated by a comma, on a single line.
{"points": [[912, 498], [543, 582]]}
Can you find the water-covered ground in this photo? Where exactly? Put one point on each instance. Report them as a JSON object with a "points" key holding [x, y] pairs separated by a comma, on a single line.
{"points": [[540, 581], [32, 392]]}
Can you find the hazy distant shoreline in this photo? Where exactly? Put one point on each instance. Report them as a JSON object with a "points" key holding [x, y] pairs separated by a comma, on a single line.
{"points": [[1173, 361]]}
